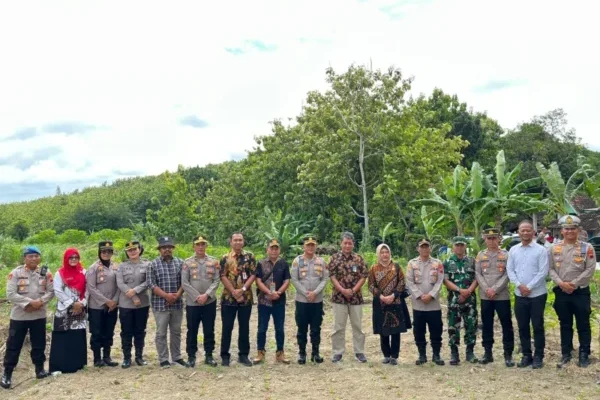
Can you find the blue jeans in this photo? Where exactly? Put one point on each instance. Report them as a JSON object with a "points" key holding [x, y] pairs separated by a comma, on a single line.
{"points": [[264, 315]]}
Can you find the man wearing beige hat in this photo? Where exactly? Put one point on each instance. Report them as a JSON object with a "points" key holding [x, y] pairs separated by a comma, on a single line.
{"points": [[200, 280], [572, 265]]}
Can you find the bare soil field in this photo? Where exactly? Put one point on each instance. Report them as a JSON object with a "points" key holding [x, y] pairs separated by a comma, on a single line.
{"points": [[347, 380]]}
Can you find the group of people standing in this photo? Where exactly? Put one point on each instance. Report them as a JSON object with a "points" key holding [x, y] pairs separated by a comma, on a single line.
{"points": [[107, 292]]}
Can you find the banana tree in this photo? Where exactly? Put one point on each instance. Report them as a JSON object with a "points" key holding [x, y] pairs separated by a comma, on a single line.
{"points": [[285, 228]]}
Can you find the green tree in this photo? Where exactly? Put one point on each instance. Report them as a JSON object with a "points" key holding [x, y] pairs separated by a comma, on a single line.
{"points": [[19, 229]]}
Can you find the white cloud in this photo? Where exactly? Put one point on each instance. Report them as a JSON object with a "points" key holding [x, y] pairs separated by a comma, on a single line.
{"points": [[136, 68]]}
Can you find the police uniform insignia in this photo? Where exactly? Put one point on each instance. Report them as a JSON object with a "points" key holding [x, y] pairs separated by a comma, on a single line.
{"points": [[569, 220]]}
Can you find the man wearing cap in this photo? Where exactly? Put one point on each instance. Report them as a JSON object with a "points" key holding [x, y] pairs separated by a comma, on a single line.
{"points": [[134, 302], [424, 278], [527, 269], [572, 266], [200, 280], [490, 270], [29, 289], [101, 285], [309, 276], [272, 280], [459, 278], [348, 273], [238, 272], [165, 282]]}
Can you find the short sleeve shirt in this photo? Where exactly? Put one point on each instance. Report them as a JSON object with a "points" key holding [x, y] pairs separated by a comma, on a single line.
{"points": [[269, 273], [348, 270]]}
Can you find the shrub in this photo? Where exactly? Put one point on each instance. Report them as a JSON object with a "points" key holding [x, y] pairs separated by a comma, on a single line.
{"points": [[72, 236]]}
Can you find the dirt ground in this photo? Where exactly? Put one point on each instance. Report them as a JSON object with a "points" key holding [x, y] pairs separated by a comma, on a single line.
{"points": [[349, 379]]}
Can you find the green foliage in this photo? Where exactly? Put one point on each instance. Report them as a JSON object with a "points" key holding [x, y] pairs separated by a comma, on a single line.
{"points": [[72, 236], [44, 236], [19, 229], [287, 230]]}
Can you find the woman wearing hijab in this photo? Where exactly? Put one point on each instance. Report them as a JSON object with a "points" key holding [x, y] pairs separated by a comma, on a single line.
{"points": [[390, 314], [68, 349], [101, 280]]}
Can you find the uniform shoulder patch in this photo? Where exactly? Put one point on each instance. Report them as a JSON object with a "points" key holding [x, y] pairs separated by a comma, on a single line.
{"points": [[185, 266], [590, 252], [10, 276]]}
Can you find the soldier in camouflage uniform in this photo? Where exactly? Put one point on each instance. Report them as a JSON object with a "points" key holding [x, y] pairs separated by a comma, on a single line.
{"points": [[459, 278]]}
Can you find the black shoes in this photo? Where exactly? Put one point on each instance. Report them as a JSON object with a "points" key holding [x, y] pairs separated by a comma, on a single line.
{"points": [[336, 358], [393, 361], [107, 360], [584, 359], [225, 361], [470, 355], [140, 361], [209, 360], [508, 360], [180, 362], [301, 358], [454, 357], [165, 364], [316, 358], [360, 357], [126, 363], [191, 362], [525, 362], [40, 372], [564, 360], [422, 357], [487, 358], [244, 360], [386, 360], [6, 380], [437, 359], [538, 362], [99, 363]]}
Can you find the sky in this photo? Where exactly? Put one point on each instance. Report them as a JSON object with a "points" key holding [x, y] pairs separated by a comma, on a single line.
{"points": [[93, 91]]}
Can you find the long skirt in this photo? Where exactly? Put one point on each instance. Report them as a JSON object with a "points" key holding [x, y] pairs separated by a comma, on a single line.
{"points": [[68, 351]]}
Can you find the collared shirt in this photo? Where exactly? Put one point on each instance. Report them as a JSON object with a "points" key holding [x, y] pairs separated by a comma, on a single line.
{"points": [[133, 275], [23, 287], [575, 263], [528, 265], [348, 270], [200, 276], [167, 276], [309, 275], [490, 269], [425, 277], [237, 268], [101, 285], [273, 275]]}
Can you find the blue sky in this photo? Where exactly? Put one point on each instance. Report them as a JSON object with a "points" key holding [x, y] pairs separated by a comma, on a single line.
{"points": [[93, 91]]}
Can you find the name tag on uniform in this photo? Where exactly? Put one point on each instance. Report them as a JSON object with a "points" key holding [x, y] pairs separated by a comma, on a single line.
{"points": [[354, 269], [244, 275]]}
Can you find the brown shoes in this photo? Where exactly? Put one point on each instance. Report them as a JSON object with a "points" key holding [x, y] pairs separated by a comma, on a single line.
{"points": [[260, 357], [280, 357]]}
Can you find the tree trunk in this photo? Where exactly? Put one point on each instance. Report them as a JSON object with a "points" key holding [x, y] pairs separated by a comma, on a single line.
{"points": [[363, 186]]}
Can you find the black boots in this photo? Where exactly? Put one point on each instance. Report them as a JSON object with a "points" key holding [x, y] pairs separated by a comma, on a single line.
{"points": [[98, 358], [422, 356], [315, 356], [454, 357], [436, 357], [508, 359], [40, 372], [488, 357], [6, 380], [302, 357], [584, 359], [107, 360], [209, 360], [470, 355], [139, 357]]}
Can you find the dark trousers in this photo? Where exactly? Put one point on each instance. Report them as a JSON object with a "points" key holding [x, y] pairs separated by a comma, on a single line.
{"points": [[502, 309], [194, 316], [578, 305], [433, 321], [309, 314], [17, 330], [228, 314], [530, 310], [133, 328], [102, 328], [390, 345], [264, 315]]}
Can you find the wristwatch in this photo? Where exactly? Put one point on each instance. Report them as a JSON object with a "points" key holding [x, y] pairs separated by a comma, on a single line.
{"points": [[243, 288]]}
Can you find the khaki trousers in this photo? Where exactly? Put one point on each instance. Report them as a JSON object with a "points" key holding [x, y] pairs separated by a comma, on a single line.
{"points": [[168, 320], [340, 317]]}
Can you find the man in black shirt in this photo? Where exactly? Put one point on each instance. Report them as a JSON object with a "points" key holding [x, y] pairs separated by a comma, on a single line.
{"points": [[272, 280]]}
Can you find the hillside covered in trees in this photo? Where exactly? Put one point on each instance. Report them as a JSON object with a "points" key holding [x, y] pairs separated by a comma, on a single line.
{"points": [[356, 158]]}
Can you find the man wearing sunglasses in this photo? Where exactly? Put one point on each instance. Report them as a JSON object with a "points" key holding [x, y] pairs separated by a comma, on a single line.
{"points": [[490, 270], [459, 278], [572, 265]]}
